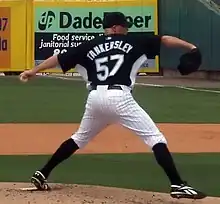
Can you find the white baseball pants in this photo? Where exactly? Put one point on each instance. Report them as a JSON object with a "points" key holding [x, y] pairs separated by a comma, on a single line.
{"points": [[105, 107]]}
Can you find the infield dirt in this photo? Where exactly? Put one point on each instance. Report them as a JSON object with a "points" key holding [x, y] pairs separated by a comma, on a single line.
{"points": [[181, 138]]}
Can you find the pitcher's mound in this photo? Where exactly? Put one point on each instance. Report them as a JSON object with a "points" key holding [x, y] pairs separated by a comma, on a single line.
{"points": [[10, 193]]}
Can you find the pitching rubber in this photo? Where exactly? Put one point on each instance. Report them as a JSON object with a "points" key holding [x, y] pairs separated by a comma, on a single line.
{"points": [[29, 189], [46, 188]]}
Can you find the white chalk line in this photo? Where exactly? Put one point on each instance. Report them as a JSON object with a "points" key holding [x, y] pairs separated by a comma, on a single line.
{"points": [[180, 87], [143, 84]]}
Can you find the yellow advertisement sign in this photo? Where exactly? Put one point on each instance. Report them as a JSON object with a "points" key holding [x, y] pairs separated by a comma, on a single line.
{"points": [[13, 27], [61, 26]]}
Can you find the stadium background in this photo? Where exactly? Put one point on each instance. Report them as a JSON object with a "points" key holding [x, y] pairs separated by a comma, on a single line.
{"points": [[34, 121]]}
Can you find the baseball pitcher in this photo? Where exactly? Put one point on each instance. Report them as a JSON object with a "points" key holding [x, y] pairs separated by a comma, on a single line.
{"points": [[109, 64]]}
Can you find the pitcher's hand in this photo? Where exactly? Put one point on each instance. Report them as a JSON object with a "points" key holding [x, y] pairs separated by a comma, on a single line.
{"points": [[27, 75]]}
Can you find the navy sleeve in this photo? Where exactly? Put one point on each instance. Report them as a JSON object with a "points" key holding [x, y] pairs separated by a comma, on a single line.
{"points": [[70, 59], [152, 45]]}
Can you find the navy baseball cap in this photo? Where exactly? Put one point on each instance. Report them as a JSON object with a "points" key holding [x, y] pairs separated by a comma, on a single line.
{"points": [[115, 18]]}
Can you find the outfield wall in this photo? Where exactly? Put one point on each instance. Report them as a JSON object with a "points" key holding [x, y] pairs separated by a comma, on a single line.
{"points": [[195, 21], [47, 28], [26, 24]]}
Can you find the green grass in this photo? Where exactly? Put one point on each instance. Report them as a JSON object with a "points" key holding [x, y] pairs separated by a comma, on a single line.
{"points": [[44, 100], [54, 100], [178, 105], [134, 171]]}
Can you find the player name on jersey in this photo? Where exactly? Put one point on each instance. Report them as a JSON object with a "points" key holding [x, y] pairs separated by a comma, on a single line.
{"points": [[105, 47]]}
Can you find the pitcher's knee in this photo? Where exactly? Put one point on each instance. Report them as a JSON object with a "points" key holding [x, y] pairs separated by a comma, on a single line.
{"points": [[80, 140], [151, 141]]}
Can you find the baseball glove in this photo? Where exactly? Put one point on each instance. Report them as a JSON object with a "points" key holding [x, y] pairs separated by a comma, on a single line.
{"points": [[190, 62]]}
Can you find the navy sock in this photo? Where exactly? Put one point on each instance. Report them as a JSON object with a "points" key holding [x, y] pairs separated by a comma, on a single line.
{"points": [[65, 150], [165, 160]]}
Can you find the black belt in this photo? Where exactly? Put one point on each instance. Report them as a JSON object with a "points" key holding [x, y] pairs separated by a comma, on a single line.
{"points": [[110, 87]]}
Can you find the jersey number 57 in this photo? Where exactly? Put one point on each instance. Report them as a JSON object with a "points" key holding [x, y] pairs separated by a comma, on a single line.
{"points": [[103, 70]]}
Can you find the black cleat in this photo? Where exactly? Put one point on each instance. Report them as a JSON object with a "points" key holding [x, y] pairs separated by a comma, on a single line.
{"points": [[39, 180], [185, 191]]}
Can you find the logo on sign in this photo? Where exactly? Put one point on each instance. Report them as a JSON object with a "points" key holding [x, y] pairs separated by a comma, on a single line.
{"points": [[46, 20], [90, 20]]}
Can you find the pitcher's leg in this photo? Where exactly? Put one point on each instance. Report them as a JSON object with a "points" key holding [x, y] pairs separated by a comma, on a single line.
{"points": [[90, 126], [137, 120]]}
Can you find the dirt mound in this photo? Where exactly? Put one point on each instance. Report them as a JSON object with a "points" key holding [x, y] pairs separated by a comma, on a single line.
{"points": [[80, 194]]}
